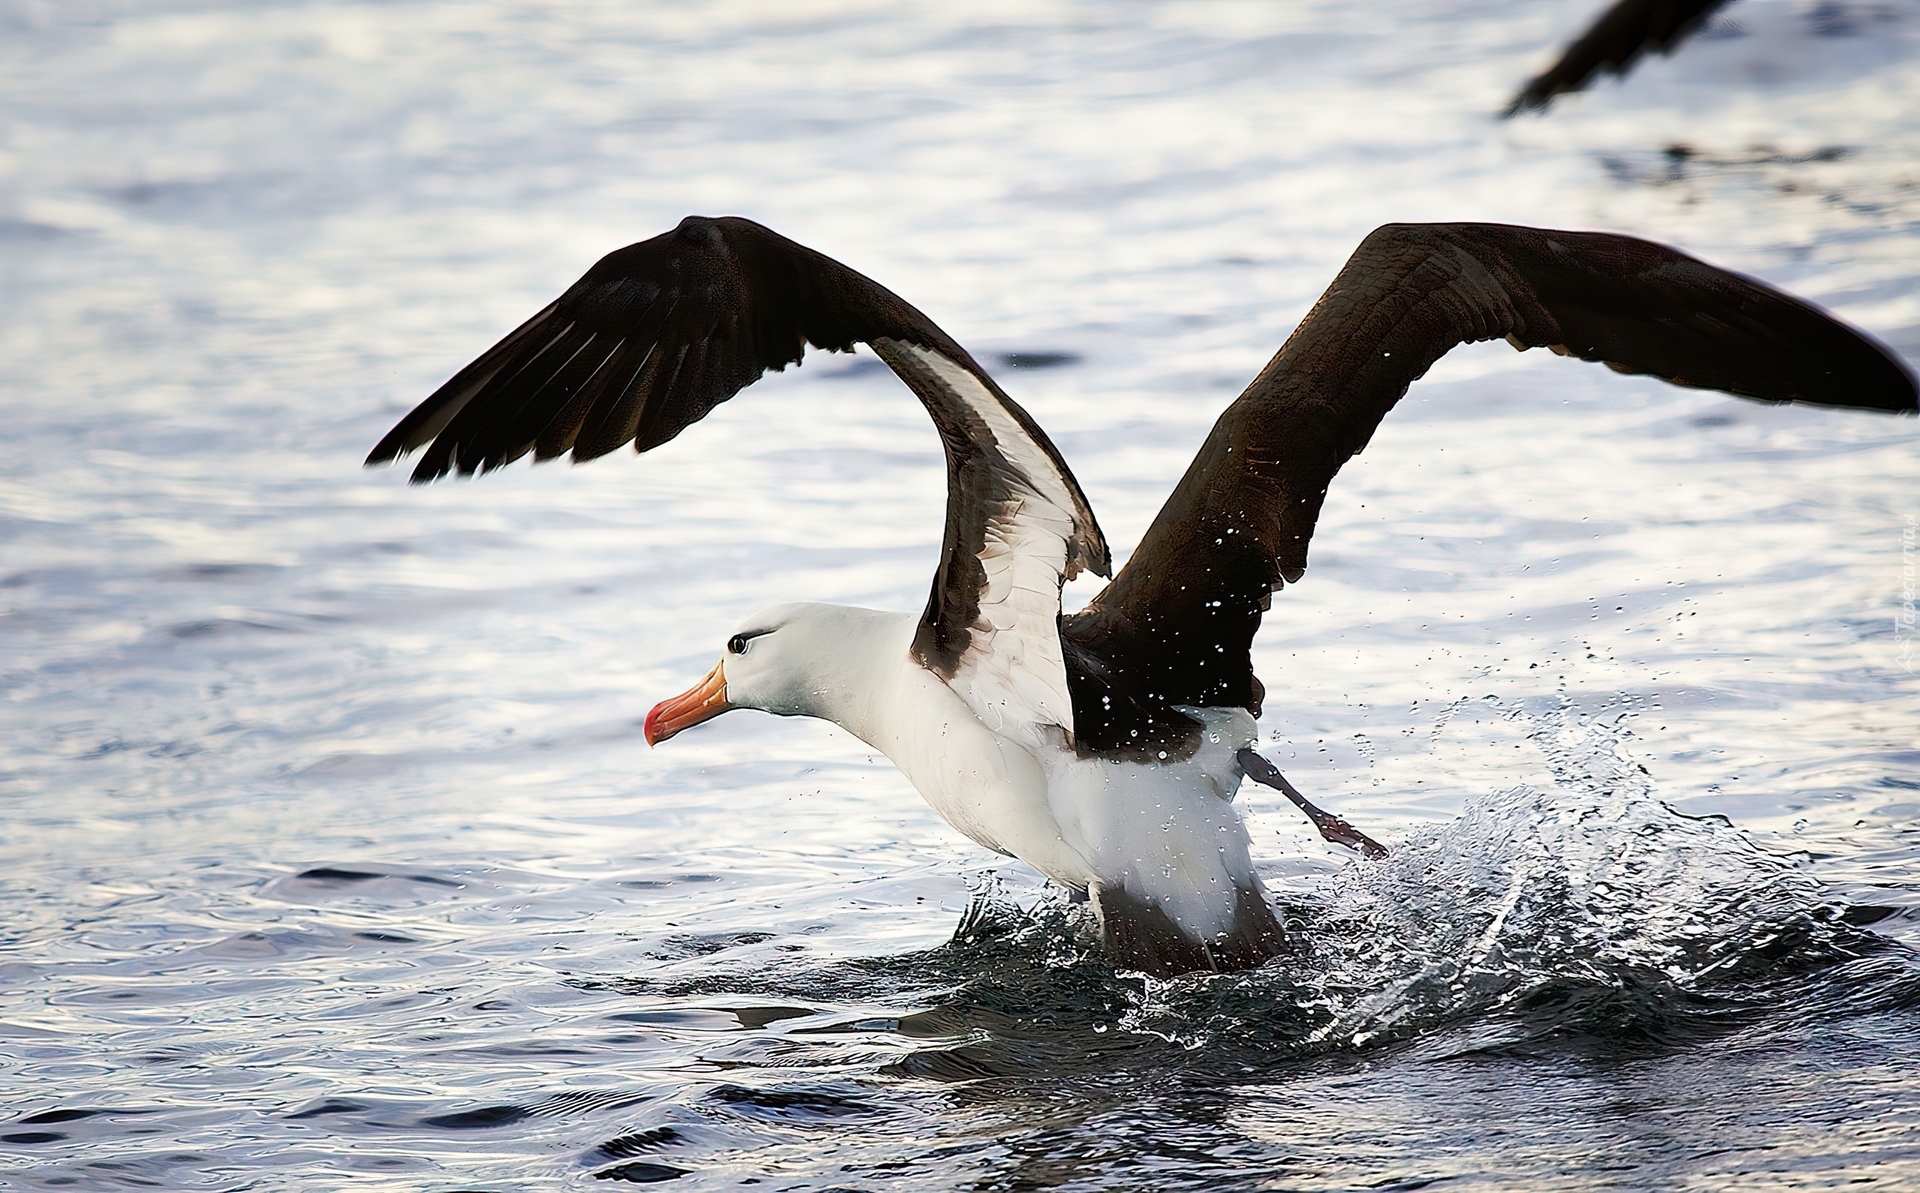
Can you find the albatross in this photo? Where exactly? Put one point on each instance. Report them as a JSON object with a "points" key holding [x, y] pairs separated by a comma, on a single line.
{"points": [[1102, 747]]}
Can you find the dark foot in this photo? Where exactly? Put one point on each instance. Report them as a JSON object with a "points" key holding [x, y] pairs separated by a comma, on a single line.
{"points": [[1331, 827]]}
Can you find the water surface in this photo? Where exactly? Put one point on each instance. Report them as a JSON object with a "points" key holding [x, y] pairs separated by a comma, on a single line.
{"points": [[332, 855]]}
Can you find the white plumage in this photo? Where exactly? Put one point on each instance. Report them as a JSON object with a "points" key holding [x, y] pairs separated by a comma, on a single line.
{"points": [[1167, 835]]}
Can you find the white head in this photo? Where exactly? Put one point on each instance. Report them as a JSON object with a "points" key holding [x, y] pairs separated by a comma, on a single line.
{"points": [[802, 660]]}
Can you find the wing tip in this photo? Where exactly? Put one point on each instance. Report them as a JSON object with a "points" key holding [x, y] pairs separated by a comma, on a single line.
{"points": [[392, 445], [1908, 384], [1907, 404], [1526, 100], [1092, 553], [1900, 396], [1896, 390]]}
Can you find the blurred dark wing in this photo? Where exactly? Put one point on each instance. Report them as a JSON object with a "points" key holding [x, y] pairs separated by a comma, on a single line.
{"points": [[1612, 43], [659, 333], [1175, 625]]}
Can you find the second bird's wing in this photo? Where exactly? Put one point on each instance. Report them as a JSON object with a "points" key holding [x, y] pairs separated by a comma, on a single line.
{"points": [[1611, 44]]}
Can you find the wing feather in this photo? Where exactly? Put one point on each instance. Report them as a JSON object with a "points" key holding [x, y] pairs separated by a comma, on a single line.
{"points": [[453, 446], [1013, 515], [1175, 626], [431, 417], [560, 431], [1612, 44], [659, 333], [502, 442]]}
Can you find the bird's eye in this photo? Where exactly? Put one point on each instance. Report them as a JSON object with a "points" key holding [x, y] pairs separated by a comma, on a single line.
{"points": [[737, 644]]}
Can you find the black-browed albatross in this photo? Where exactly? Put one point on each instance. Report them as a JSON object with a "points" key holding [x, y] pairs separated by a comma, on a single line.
{"points": [[1102, 747]]}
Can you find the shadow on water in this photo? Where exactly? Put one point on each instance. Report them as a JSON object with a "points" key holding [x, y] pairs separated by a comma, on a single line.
{"points": [[1543, 941]]}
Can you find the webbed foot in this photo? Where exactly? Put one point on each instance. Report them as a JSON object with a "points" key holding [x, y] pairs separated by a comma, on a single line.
{"points": [[1332, 827]]}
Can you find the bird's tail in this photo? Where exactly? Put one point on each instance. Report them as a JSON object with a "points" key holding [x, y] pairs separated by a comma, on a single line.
{"points": [[1139, 935]]}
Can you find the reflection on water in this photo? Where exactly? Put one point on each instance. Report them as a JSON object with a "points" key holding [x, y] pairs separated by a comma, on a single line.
{"points": [[331, 852]]}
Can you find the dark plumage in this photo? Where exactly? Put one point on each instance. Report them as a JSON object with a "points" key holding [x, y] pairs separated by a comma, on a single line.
{"points": [[659, 333], [1612, 44], [1238, 524]]}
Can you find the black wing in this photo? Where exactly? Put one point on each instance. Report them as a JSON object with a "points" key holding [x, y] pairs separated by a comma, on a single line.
{"points": [[1175, 626], [659, 333], [1612, 44]]}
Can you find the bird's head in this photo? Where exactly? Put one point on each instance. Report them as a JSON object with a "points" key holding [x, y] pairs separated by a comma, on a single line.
{"points": [[781, 660]]}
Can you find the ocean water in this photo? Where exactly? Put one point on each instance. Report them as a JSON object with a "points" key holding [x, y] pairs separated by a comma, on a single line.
{"points": [[331, 855]]}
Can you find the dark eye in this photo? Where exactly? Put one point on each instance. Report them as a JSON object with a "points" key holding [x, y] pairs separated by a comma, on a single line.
{"points": [[737, 644]]}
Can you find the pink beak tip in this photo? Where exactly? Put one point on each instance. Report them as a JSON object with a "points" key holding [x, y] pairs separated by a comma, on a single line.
{"points": [[702, 702]]}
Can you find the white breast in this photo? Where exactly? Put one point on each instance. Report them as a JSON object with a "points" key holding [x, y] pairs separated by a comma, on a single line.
{"points": [[1168, 833], [988, 786]]}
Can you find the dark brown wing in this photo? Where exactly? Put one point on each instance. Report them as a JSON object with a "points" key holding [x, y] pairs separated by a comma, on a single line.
{"points": [[659, 333], [1612, 44], [1175, 626]]}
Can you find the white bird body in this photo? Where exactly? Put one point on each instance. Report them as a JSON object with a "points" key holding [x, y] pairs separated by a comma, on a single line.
{"points": [[1166, 834]]}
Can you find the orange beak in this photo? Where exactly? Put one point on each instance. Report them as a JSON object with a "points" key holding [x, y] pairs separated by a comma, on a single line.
{"points": [[703, 702]]}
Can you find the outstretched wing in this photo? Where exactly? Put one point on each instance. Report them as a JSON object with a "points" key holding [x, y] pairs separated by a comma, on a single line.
{"points": [[659, 333], [1611, 44], [1175, 626]]}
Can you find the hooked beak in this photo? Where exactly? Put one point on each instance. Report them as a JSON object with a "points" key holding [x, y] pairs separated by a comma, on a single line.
{"points": [[703, 702]]}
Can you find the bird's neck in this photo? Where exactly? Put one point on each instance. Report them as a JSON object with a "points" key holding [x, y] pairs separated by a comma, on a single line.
{"points": [[854, 678]]}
